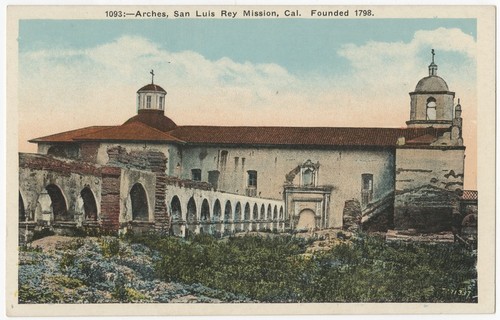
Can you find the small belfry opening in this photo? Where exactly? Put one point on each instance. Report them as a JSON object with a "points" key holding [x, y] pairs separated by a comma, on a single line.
{"points": [[431, 108], [140, 210]]}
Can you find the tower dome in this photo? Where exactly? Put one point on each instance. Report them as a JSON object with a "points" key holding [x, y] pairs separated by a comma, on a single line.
{"points": [[151, 107], [432, 83]]}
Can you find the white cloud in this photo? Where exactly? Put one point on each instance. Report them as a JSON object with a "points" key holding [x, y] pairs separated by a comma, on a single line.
{"points": [[76, 88]]}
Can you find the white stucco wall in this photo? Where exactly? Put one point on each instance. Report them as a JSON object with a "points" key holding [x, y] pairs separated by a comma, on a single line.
{"points": [[341, 169]]}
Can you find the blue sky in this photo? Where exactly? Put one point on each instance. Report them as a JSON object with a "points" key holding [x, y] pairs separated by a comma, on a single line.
{"points": [[263, 72], [300, 45]]}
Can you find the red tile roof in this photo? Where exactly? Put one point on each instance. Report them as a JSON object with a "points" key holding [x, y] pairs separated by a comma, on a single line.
{"points": [[68, 136], [302, 136], [263, 136], [134, 131], [153, 118]]}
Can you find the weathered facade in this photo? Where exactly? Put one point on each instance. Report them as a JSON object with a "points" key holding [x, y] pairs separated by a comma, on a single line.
{"points": [[150, 174]]}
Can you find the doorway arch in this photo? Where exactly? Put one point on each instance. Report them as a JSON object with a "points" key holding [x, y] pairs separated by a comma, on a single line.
{"points": [[307, 220]]}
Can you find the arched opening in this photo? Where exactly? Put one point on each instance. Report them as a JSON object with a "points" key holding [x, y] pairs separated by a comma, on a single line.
{"points": [[216, 218], [191, 217], [217, 211], [275, 213], [237, 217], [58, 203], [140, 209], [431, 109], [191, 211], [228, 210], [281, 213], [22, 212], [269, 212], [205, 211], [89, 204], [247, 222], [307, 220], [176, 214], [175, 207], [262, 212]]}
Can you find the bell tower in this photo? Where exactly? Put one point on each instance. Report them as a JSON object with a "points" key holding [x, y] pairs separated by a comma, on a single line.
{"points": [[431, 102]]}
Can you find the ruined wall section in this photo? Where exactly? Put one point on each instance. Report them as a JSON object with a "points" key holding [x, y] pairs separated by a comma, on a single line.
{"points": [[36, 172], [427, 187], [153, 161]]}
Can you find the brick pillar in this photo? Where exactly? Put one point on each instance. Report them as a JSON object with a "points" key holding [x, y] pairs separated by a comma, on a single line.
{"points": [[157, 163], [110, 198]]}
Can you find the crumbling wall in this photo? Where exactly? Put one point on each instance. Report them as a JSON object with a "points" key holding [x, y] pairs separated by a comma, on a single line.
{"points": [[352, 215], [147, 160], [425, 209], [428, 184]]}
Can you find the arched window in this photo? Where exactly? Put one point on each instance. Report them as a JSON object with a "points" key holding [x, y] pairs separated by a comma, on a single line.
{"points": [[431, 109], [237, 212], [140, 210], [255, 212], [247, 212], [307, 177]]}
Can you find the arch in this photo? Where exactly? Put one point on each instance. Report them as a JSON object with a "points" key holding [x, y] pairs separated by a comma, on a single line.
{"points": [[307, 219], [237, 217], [216, 211], [22, 212], [275, 212], [191, 211], [247, 212], [262, 212], [58, 203], [176, 215], [228, 210], [89, 204], [255, 214], [205, 210], [139, 199], [431, 109], [237, 212], [281, 213], [307, 177], [175, 209]]}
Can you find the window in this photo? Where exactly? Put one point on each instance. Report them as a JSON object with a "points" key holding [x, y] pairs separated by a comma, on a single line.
{"points": [[148, 102], [196, 174], [251, 190], [223, 158], [252, 178], [431, 109], [160, 104], [367, 188], [307, 177]]}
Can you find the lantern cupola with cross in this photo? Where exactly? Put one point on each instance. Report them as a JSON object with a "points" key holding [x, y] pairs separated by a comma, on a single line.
{"points": [[151, 107], [151, 96]]}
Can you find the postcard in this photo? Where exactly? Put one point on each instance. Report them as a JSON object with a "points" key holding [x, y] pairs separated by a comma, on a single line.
{"points": [[250, 160]]}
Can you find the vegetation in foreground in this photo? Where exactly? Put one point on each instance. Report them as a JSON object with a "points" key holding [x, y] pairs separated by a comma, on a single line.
{"points": [[150, 268], [363, 269]]}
